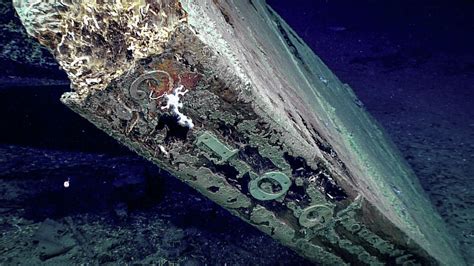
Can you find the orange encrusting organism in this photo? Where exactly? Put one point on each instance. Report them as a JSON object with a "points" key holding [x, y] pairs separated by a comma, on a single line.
{"points": [[174, 78]]}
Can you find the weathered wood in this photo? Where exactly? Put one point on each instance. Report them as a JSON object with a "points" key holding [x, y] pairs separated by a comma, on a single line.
{"points": [[265, 129]]}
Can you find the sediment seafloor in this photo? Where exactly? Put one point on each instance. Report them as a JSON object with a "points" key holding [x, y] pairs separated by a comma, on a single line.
{"points": [[331, 184]]}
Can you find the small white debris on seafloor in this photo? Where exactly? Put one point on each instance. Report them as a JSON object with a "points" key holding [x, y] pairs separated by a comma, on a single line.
{"points": [[66, 183], [172, 101]]}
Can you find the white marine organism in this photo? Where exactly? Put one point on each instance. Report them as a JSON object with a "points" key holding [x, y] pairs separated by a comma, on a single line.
{"points": [[173, 104]]}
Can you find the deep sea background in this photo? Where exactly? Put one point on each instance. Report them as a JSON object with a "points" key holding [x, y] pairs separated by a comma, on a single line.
{"points": [[410, 62]]}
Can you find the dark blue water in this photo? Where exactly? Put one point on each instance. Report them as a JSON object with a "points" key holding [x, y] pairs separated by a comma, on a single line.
{"points": [[410, 62], [412, 65]]}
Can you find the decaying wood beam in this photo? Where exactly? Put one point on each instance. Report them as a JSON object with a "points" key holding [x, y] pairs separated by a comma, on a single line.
{"points": [[224, 95]]}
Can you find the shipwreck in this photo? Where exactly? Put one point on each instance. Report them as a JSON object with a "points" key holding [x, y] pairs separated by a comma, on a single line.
{"points": [[226, 97]]}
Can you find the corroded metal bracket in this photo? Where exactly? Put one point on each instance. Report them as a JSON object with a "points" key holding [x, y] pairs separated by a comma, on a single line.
{"points": [[208, 140]]}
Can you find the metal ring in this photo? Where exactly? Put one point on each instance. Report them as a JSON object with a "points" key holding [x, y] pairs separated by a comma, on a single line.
{"points": [[315, 215], [140, 94], [257, 192]]}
